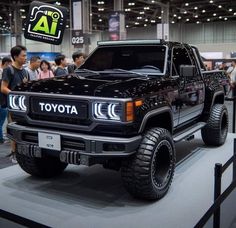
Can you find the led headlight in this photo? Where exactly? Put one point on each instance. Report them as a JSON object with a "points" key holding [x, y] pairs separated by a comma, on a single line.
{"points": [[17, 102], [107, 111]]}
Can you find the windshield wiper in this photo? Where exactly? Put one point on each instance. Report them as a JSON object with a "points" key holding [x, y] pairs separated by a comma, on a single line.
{"points": [[83, 70], [128, 71]]}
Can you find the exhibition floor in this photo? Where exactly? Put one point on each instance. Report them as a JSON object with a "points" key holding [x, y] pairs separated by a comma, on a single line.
{"points": [[95, 197]]}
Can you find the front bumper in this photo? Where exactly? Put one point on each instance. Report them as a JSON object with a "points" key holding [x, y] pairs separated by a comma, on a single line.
{"points": [[72, 144]]}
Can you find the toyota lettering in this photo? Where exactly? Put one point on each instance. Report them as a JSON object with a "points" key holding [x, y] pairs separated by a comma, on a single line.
{"points": [[63, 109]]}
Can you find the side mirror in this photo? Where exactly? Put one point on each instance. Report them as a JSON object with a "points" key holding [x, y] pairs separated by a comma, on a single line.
{"points": [[187, 70]]}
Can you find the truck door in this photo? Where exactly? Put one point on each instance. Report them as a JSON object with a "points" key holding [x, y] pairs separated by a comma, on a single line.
{"points": [[191, 88]]}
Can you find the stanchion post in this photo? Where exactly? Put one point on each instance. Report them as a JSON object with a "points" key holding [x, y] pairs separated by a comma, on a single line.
{"points": [[234, 107], [217, 192], [234, 161]]}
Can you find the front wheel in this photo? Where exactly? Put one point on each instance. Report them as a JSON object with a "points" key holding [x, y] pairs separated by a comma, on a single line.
{"points": [[41, 167], [216, 129], [149, 173]]}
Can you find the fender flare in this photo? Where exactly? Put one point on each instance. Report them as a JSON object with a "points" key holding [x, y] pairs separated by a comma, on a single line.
{"points": [[218, 93], [153, 113]]}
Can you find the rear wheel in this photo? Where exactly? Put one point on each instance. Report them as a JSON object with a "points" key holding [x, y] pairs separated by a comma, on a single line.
{"points": [[215, 132], [41, 167], [149, 173]]}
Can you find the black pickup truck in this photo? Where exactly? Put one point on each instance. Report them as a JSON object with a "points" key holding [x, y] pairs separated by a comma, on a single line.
{"points": [[124, 108]]}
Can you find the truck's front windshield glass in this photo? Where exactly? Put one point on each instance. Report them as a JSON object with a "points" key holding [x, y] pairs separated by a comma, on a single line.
{"points": [[140, 59]]}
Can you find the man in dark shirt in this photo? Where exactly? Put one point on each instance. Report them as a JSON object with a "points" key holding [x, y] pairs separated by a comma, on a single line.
{"points": [[12, 76], [6, 61], [61, 63], [78, 58]]}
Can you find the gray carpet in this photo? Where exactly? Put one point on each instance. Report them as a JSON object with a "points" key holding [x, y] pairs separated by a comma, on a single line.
{"points": [[89, 197]]}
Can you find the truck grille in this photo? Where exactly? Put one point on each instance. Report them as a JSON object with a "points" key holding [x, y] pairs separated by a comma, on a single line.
{"points": [[57, 110]]}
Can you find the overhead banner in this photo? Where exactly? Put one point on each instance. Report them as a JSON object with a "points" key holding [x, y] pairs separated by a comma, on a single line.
{"points": [[77, 14], [114, 26], [163, 31], [45, 23], [77, 36]]}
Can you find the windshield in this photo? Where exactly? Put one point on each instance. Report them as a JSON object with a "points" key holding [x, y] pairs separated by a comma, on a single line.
{"points": [[140, 59]]}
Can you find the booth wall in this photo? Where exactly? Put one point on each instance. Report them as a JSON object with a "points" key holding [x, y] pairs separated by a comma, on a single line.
{"points": [[219, 36]]}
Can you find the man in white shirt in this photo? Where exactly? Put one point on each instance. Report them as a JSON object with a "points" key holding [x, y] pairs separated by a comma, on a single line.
{"points": [[33, 68]]}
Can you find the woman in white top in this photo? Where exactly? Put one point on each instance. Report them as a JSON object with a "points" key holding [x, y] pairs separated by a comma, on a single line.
{"points": [[232, 72]]}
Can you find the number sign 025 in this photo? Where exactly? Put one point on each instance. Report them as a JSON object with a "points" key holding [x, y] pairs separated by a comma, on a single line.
{"points": [[77, 37]]}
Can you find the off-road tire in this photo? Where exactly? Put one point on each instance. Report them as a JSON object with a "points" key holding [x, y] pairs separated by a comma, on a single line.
{"points": [[148, 174], [41, 167], [216, 129]]}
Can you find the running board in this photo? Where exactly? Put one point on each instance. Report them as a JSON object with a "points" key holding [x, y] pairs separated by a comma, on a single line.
{"points": [[188, 132]]}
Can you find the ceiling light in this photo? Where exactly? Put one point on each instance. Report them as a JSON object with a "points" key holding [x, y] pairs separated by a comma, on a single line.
{"points": [[198, 22], [179, 17], [226, 19], [58, 3], [208, 19], [175, 15], [145, 25], [185, 12], [153, 21], [100, 3], [23, 17], [235, 13], [136, 23], [131, 4], [146, 19], [100, 20], [142, 12], [67, 26], [203, 11], [22, 10], [100, 9], [139, 18], [186, 4], [214, 14], [172, 22], [220, 6], [195, 7], [127, 26], [196, 16], [230, 10], [159, 18], [10, 14], [187, 19], [153, 1], [146, 8], [128, 9], [211, 1]]}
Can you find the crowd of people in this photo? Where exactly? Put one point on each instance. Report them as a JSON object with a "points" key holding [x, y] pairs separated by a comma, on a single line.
{"points": [[13, 72]]}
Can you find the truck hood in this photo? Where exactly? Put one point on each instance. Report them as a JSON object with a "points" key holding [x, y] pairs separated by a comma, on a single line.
{"points": [[117, 86]]}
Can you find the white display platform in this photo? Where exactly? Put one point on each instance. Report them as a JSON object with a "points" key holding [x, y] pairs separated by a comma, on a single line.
{"points": [[94, 197]]}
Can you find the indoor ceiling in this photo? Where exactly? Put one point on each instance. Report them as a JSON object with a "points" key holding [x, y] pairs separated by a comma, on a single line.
{"points": [[138, 13]]}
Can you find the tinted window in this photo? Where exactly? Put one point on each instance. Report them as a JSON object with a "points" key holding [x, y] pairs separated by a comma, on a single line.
{"points": [[180, 57], [127, 58]]}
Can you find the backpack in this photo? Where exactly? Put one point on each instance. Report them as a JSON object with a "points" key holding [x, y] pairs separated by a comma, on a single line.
{"points": [[3, 97]]}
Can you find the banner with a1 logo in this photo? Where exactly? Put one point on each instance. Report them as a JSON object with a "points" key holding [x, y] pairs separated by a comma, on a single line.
{"points": [[45, 23]]}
